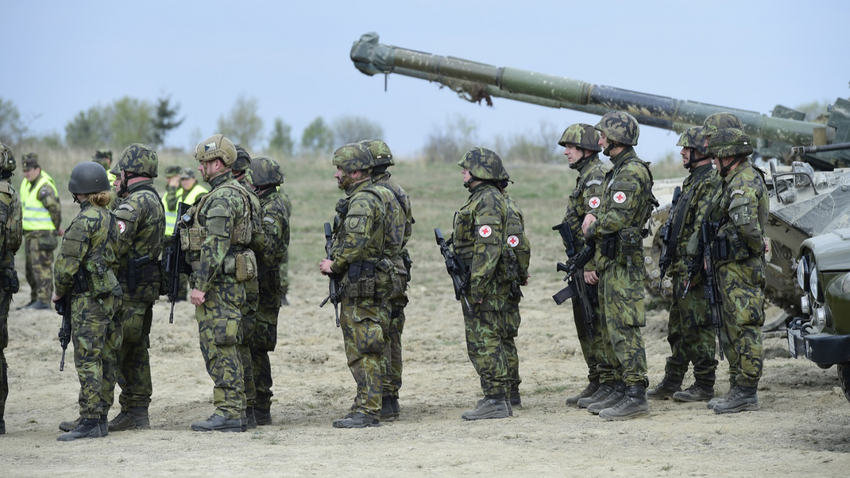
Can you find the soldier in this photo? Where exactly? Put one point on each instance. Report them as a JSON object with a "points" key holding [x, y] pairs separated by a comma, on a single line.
{"points": [[618, 230], [357, 256], [11, 237], [42, 218], [689, 328], [85, 270], [173, 192], [266, 176], [141, 225], [284, 265], [216, 241], [399, 234], [479, 240], [518, 241], [581, 147], [103, 157], [739, 212]]}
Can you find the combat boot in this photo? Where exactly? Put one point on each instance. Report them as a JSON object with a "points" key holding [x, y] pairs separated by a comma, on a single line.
{"points": [[136, 417], [87, 428], [599, 395], [387, 412], [588, 391], [250, 416], [664, 390], [263, 416], [743, 400], [718, 400], [356, 420], [695, 393], [489, 407], [67, 426], [103, 423], [612, 399], [396, 407], [516, 400], [218, 423], [632, 405], [2, 426]]}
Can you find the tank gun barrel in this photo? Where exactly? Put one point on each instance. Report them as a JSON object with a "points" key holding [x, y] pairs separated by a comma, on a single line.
{"points": [[480, 81], [802, 150]]}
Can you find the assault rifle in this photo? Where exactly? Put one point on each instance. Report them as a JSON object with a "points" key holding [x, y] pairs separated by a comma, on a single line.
{"points": [[334, 288], [668, 243], [174, 261], [63, 308], [708, 231], [577, 287], [455, 268]]}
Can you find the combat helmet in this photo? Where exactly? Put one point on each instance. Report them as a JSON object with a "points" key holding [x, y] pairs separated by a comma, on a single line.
{"points": [[138, 159], [483, 164], [172, 171], [581, 136], [216, 147], [381, 154], [265, 171], [717, 121], [693, 138], [7, 160], [243, 159], [619, 127], [88, 177], [353, 157], [730, 142], [101, 155]]}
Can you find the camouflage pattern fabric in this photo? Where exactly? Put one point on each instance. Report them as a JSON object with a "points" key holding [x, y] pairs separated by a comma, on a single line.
{"points": [[586, 198], [718, 121], [360, 236], [742, 209], [90, 244], [626, 205], [482, 164], [480, 241], [689, 329], [11, 236], [518, 241], [284, 265], [620, 127], [275, 220]]}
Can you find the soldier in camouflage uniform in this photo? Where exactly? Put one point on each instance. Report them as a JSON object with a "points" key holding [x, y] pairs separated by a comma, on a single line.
{"points": [[284, 264], [266, 176], [11, 237], [366, 279], [42, 218], [689, 329], [479, 240], [217, 246], [581, 147], [86, 270], [396, 251], [618, 230], [737, 250], [141, 225]]}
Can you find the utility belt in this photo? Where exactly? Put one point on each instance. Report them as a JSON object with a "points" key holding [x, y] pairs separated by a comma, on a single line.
{"points": [[729, 248], [370, 279], [622, 245], [9, 281], [239, 262], [141, 276]]}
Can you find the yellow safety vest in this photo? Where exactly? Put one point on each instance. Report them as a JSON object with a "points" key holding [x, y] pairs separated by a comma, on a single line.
{"points": [[36, 217], [171, 214], [190, 197], [112, 179]]}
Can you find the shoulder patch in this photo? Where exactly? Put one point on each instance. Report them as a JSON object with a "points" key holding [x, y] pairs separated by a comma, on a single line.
{"points": [[593, 182], [122, 226], [485, 231], [594, 202], [268, 219], [736, 192], [126, 206]]}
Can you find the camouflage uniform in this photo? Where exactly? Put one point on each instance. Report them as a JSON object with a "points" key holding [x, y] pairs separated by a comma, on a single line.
{"points": [[518, 241], [366, 280], [89, 246], [42, 218], [284, 264], [11, 237], [141, 225]]}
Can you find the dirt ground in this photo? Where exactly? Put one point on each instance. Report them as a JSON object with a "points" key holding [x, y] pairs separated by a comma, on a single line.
{"points": [[802, 429]]}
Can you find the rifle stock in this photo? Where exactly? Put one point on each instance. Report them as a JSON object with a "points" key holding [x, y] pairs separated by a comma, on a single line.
{"points": [[576, 287], [457, 271], [63, 308]]}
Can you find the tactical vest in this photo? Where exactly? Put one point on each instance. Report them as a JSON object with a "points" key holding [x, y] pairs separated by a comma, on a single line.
{"points": [[36, 217]]}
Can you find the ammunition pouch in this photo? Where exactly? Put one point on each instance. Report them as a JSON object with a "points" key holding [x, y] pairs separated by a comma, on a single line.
{"points": [[101, 280], [242, 264], [9, 282], [729, 248], [508, 268], [608, 248], [629, 245], [361, 280], [389, 283], [192, 238], [408, 262]]}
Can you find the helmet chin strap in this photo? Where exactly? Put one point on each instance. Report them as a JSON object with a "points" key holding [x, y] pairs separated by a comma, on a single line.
{"points": [[724, 170], [584, 157]]}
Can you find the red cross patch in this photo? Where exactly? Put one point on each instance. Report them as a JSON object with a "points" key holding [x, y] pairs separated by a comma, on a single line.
{"points": [[594, 202], [121, 227], [620, 197], [485, 231], [513, 241]]}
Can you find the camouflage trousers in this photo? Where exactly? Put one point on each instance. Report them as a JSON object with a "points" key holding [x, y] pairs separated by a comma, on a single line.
{"points": [[134, 363], [485, 347], [593, 348], [284, 275], [742, 300], [364, 327], [264, 340], [39, 264], [5, 299], [248, 327], [691, 336], [510, 330], [392, 360], [96, 333], [621, 303], [219, 331]]}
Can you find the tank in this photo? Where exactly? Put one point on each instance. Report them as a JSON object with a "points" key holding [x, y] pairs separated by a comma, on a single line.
{"points": [[809, 189]]}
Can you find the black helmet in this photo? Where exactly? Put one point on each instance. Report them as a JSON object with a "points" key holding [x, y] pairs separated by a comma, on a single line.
{"points": [[243, 159], [88, 177]]}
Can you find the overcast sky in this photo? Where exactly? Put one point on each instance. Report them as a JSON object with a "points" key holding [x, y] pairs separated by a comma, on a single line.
{"points": [[62, 57]]}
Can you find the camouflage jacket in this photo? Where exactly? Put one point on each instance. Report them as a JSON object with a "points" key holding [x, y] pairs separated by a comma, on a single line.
{"points": [[275, 221], [258, 238], [517, 239], [360, 233], [172, 197], [627, 202], [90, 243], [395, 221], [385, 179], [586, 197], [741, 209], [479, 240], [697, 194], [224, 216], [11, 231], [140, 218]]}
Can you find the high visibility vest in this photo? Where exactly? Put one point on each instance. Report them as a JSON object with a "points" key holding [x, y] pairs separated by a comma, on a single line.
{"points": [[112, 178], [36, 217], [191, 196], [171, 214]]}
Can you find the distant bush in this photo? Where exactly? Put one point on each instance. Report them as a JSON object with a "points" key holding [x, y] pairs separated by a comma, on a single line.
{"points": [[351, 129], [447, 145]]}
